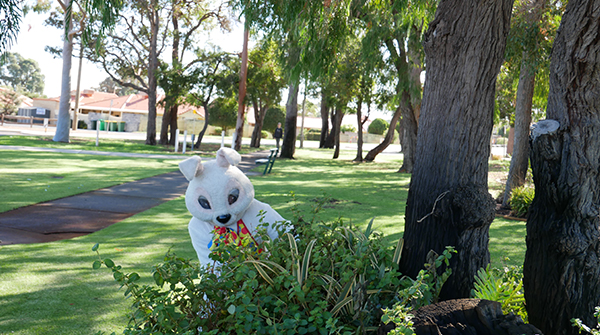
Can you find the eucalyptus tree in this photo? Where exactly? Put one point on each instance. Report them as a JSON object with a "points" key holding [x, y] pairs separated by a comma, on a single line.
{"points": [[533, 27], [562, 262], [130, 54], [187, 19], [80, 18], [394, 36], [22, 74], [311, 32], [448, 200], [264, 84], [205, 78]]}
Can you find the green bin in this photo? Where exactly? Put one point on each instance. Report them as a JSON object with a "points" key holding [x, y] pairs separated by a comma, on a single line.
{"points": [[102, 125], [121, 126], [113, 126], [93, 125]]}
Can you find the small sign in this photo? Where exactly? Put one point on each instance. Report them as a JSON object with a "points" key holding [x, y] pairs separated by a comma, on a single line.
{"points": [[40, 111]]}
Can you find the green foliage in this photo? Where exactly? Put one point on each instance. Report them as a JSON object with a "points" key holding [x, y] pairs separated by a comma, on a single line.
{"points": [[274, 116], [378, 126], [422, 291], [582, 327], [264, 134], [347, 128], [520, 200], [504, 286], [318, 278], [22, 74], [11, 12], [223, 112]]}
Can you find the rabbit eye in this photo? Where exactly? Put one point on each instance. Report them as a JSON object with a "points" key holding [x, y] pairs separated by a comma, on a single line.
{"points": [[233, 196], [203, 202]]}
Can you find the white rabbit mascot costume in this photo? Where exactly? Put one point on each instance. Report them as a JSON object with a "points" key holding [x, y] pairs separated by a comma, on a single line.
{"points": [[221, 199]]}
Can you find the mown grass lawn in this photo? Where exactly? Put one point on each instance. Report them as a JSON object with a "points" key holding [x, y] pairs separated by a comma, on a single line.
{"points": [[51, 288]]}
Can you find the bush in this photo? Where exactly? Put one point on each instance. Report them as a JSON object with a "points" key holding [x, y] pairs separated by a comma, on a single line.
{"points": [[378, 126], [217, 131], [347, 128], [264, 134], [504, 286], [313, 135], [318, 278], [520, 200]]}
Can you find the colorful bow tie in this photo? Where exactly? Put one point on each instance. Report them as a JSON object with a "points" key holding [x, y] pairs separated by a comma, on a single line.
{"points": [[240, 237]]}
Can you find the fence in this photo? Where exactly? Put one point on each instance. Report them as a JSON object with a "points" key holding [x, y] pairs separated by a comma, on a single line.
{"points": [[4, 118]]}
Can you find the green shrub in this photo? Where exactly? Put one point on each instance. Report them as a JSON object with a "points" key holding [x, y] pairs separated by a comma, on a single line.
{"points": [[378, 126], [504, 286], [347, 128], [319, 278], [264, 134], [313, 135], [520, 200], [217, 131]]}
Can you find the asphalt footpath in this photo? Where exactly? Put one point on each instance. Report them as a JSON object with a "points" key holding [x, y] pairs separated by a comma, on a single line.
{"points": [[89, 212]]}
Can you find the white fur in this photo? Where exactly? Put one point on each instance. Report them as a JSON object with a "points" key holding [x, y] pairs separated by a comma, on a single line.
{"points": [[215, 180]]}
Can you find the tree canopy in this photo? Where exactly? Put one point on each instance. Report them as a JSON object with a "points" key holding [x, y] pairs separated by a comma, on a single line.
{"points": [[23, 75]]}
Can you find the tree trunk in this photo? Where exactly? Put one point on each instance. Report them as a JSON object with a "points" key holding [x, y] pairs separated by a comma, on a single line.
{"points": [[410, 123], [152, 67], [259, 116], [239, 125], [204, 127], [164, 127], [359, 123], [389, 136], [520, 158], [173, 127], [64, 105], [324, 120], [448, 202], [330, 139], [288, 146], [339, 115], [562, 262]]}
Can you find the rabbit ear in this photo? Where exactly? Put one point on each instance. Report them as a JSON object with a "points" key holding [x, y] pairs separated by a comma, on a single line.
{"points": [[227, 157], [191, 167]]}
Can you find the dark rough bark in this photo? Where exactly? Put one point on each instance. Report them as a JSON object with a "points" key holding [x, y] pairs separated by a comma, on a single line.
{"points": [[389, 136], [330, 139], [520, 158], [168, 127], [448, 202], [324, 120], [359, 122], [562, 262], [339, 115], [288, 147]]}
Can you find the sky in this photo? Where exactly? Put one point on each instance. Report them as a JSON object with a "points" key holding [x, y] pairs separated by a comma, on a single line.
{"points": [[34, 36]]}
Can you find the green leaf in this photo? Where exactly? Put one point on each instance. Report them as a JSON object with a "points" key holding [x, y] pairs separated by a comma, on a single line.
{"points": [[109, 263], [231, 309], [133, 277], [95, 247], [96, 265]]}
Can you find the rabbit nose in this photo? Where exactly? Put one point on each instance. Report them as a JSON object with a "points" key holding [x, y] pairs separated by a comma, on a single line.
{"points": [[224, 218]]}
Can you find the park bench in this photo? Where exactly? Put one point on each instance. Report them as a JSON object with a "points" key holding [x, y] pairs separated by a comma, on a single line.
{"points": [[268, 161]]}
